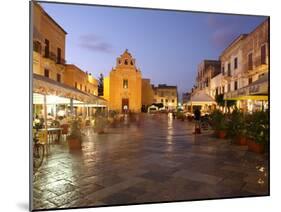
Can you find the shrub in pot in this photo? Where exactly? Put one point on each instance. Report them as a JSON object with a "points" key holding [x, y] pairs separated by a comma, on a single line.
{"points": [[236, 127], [218, 123], [74, 139], [257, 130]]}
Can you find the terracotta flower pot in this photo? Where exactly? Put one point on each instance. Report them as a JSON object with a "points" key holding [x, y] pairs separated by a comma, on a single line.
{"points": [[221, 134], [241, 140], [255, 147], [74, 144]]}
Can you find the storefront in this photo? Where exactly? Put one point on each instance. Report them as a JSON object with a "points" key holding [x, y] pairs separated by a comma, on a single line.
{"points": [[253, 97]]}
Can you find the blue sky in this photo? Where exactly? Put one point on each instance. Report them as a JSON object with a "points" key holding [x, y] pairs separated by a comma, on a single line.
{"points": [[167, 45]]}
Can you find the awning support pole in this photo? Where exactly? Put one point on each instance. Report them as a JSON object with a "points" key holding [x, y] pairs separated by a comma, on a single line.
{"points": [[71, 107], [45, 118]]}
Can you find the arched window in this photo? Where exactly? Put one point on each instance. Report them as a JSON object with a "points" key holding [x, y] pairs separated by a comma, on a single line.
{"points": [[132, 62], [126, 62]]}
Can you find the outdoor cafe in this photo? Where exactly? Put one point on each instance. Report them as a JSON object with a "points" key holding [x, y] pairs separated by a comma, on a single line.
{"points": [[55, 104]]}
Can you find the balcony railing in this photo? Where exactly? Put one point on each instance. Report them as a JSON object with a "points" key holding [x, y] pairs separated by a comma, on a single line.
{"points": [[52, 56]]}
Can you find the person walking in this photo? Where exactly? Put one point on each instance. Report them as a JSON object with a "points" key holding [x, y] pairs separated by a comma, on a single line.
{"points": [[197, 117]]}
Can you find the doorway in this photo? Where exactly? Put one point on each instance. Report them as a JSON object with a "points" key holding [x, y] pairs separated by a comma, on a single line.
{"points": [[125, 105]]}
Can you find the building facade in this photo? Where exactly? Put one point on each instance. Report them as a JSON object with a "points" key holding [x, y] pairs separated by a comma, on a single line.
{"points": [[207, 69], [232, 66], [123, 86], [80, 80], [58, 88], [250, 87], [147, 93], [167, 95], [48, 45]]}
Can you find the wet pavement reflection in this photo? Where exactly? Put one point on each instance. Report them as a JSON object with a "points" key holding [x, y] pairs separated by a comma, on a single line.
{"points": [[156, 159]]}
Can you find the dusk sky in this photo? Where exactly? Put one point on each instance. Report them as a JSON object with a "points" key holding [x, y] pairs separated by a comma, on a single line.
{"points": [[167, 45]]}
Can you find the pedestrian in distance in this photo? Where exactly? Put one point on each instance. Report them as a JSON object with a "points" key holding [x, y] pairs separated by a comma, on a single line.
{"points": [[197, 117]]}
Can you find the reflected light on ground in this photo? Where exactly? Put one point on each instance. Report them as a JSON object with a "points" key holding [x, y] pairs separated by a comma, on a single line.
{"points": [[170, 130]]}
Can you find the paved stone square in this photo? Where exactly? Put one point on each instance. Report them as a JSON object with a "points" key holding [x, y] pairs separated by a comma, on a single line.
{"points": [[156, 160]]}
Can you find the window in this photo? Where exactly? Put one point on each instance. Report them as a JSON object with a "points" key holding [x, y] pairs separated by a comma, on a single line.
{"points": [[263, 54], [132, 62], [37, 46], [80, 86], [250, 80], [207, 82], [47, 48], [217, 91], [58, 77], [222, 89], [250, 61], [222, 70], [235, 85], [85, 88], [235, 63], [162, 100], [125, 83], [75, 85], [58, 55], [228, 69], [228, 87], [46, 72], [173, 100], [126, 62], [166, 100]]}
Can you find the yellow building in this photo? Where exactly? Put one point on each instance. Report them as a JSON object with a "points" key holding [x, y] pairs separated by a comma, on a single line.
{"points": [[167, 95], [147, 93], [54, 90], [48, 45], [123, 86], [79, 79]]}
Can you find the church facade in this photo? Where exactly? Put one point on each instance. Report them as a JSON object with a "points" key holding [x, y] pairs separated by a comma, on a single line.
{"points": [[123, 86]]}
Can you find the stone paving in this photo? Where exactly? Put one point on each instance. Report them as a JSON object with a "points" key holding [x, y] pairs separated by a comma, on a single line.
{"points": [[155, 161]]}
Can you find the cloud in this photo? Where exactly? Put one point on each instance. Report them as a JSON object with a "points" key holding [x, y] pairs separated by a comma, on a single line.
{"points": [[222, 37], [224, 29], [95, 43]]}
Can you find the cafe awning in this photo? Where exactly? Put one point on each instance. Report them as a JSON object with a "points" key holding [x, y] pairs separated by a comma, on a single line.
{"points": [[45, 86], [258, 90], [201, 98]]}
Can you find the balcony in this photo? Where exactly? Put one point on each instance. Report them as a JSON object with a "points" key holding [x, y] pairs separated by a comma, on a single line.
{"points": [[53, 57], [256, 90]]}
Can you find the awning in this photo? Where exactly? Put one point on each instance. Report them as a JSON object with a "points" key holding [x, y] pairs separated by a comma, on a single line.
{"points": [[258, 90], [46, 86], [201, 98]]}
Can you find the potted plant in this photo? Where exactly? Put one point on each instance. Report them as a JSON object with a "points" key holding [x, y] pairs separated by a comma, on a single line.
{"points": [[74, 139], [236, 128], [218, 123], [257, 131]]}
